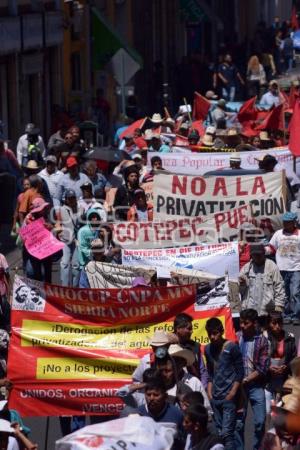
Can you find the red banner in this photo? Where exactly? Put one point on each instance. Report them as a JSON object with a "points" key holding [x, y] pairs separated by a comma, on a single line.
{"points": [[71, 349]]}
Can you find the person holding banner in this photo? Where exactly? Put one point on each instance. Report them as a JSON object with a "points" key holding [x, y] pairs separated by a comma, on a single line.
{"points": [[87, 234], [141, 210], [124, 198], [66, 228], [157, 405], [38, 269], [160, 344], [156, 164]]}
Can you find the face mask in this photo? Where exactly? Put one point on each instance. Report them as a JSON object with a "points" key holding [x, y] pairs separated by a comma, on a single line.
{"points": [[161, 352]]}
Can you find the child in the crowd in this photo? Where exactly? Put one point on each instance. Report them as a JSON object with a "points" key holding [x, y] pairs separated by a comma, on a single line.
{"points": [[195, 424]]}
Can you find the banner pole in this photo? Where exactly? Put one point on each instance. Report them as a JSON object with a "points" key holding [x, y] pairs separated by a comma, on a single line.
{"points": [[189, 114], [294, 163], [47, 433]]}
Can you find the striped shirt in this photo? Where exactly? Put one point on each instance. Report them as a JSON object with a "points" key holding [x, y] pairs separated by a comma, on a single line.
{"points": [[255, 353]]}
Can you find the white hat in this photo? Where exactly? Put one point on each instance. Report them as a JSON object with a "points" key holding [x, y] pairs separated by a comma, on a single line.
{"points": [[155, 136], [184, 126], [235, 157], [180, 352], [148, 135], [264, 136], [156, 118], [210, 130], [160, 338], [136, 156], [5, 427], [232, 132], [208, 140], [170, 120]]}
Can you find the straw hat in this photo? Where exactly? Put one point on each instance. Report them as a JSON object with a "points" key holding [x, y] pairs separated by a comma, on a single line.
{"points": [[148, 135], [235, 157], [159, 339], [208, 140], [211, 130], [32, 165], [176, 350], [156, 118], [264, 136]]}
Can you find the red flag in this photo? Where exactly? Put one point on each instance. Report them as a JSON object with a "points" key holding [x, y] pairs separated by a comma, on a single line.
{"points": [[274, 120], [284, 99], [198, 125], [130, 129], [294, 19], [201, 107], [294, 142], [248, 111]]}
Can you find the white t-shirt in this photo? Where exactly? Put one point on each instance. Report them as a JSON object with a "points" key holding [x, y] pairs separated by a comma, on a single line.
{"points": [[12, 443], [287, 250], [269, 99]]}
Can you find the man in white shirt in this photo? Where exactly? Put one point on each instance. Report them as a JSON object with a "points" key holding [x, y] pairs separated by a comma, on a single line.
{"points": [[271, 98], [286, 244], [24, 143], [51, 174]]}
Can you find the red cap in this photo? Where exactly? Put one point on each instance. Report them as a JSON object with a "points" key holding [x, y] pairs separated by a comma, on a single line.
{"points": [[71, 161]]}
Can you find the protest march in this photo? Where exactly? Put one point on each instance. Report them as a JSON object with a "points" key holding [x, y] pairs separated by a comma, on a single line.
{"points": [[155, 301]]}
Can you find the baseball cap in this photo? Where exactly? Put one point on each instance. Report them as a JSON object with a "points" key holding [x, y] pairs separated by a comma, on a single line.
{"points": [[71, 161], [289, 216]]}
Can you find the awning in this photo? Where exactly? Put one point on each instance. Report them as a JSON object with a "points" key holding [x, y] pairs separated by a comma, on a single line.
{"points": [[107, 41]]}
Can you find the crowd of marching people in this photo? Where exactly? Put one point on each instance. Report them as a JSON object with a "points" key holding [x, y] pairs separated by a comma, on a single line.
{"points": [[79, 192]]}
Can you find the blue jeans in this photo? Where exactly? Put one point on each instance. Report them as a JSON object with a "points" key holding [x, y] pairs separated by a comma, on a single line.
{"points": [[256, 396], [69, 266], [225, 419], [228, 93], [292, 290]]}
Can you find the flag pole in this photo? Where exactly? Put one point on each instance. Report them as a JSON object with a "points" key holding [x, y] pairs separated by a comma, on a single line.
{"points": [[294, 163], [189, 114]]}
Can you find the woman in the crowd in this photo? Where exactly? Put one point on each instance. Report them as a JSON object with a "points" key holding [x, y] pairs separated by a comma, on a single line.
{"points": [[125, 198], [256, 76]]}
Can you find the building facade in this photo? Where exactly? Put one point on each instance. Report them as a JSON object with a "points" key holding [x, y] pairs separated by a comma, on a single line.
{"points": [[30, 64]]}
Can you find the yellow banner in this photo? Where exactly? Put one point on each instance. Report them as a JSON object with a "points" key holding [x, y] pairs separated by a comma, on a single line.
{"points": [[84, 368], [38, 333]]}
